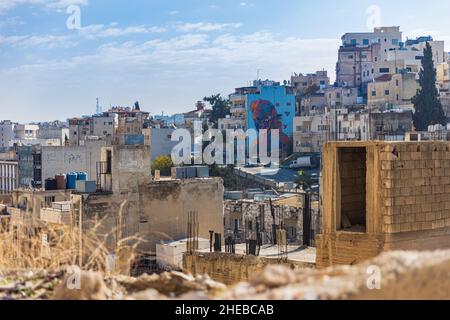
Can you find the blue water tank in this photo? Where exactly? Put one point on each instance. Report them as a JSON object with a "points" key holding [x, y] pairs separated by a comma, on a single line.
{"points": [[72, 180], [82, 176]]}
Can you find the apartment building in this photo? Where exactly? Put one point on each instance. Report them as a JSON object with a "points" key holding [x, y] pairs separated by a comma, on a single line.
{"points": [[9, 176], [392, 90], [300, 81], [6, 133]]}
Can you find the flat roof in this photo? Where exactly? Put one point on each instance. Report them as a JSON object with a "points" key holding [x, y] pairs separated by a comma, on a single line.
{"points": [[295, 253]]}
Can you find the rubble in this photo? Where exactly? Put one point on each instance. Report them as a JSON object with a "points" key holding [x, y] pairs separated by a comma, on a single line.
{"points": [[402, 275]]}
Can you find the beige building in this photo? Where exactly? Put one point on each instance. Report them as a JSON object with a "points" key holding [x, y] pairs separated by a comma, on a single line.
{"points": [[380, 196], [130, 204], [392, 90], [336, 97], [319, 79], [311, 132]]}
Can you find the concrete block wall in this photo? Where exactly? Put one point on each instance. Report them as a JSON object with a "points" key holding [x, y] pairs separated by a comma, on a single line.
{"points": [[407, 199], [415, 187]]}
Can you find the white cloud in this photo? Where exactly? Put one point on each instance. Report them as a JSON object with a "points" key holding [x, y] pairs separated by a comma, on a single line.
{"points": [[49, 41], [192, 65], [207, 27], [6, 5], [102, 31]]}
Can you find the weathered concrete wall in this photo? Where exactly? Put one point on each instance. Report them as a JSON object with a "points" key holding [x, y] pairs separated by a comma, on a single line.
{"points": [[407, 202], [56, 160], [231, 268], [157, 211]]}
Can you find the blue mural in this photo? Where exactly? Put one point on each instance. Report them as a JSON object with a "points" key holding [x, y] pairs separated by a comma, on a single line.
{"points": [[272, 108]]}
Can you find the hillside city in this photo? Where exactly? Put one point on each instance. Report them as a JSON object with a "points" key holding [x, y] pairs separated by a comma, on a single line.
{"points": [[363, 170]]}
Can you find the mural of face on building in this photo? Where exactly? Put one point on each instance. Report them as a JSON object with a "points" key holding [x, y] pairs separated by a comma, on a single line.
{"points": [[265, 116]]}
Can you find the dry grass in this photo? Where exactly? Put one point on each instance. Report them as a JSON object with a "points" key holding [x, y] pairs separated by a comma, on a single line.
{"points": [[38, 245]]}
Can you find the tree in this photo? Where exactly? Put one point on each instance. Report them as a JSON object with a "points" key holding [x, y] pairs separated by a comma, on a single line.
{"points": [[163, 164], [220, 108], [428, 108], [304, 180]]}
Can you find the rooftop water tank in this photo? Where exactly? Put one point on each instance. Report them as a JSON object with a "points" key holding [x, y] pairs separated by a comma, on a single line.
{"points": [[61, 181], [72, 180], [82, 176], [50, 184]]}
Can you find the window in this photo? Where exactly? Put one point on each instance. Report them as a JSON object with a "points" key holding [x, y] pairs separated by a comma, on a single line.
{"points": [[395, 42], [386, 92], [384, 70], [364, 56], [353, 42], [396, 83], [350, 56], [366, 42], [374, 93]]}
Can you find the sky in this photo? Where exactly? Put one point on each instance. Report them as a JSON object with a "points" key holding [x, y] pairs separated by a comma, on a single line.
{"points": [[167, 54]]}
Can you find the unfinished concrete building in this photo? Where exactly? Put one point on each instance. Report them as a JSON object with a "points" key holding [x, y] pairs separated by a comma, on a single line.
{"points": [[380, 196], [128, 204], [244, 218]]}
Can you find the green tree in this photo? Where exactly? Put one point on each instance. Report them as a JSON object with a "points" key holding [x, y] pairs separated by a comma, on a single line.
{"points": [[304, 180], [163, 164], [428, 108], [220, 108]]}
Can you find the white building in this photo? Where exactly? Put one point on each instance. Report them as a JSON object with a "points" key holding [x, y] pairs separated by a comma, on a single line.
{"points": [[9, 176], [388, 37], [26, 131]]}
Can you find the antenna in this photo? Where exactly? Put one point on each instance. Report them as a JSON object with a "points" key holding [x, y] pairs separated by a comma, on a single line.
{"points": [[99, 109]]}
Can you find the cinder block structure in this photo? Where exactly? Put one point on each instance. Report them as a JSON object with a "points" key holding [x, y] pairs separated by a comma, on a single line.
{"points": [[380, 196]]}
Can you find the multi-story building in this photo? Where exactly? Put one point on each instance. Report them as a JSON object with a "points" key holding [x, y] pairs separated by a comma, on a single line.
{"points": [[201, 113], [312, 103], [6, 133], [311, 132], [110, 126], [9, 176], [79, 130], [388, 38], [160, 141], [337, 97], [392, 90], [26, 131], [55, 130], [443, 75], [30, 166], [319, 79]]}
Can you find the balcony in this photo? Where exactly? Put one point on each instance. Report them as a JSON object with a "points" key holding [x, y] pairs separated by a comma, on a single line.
{"points": [[56, 216], [237, 109]]}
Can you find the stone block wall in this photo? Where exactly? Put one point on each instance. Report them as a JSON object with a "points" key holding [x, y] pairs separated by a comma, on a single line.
{"points": [[407, 199]]}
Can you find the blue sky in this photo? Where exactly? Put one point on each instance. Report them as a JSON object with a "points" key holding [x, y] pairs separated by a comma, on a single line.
{"points": [[169, 53]]}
